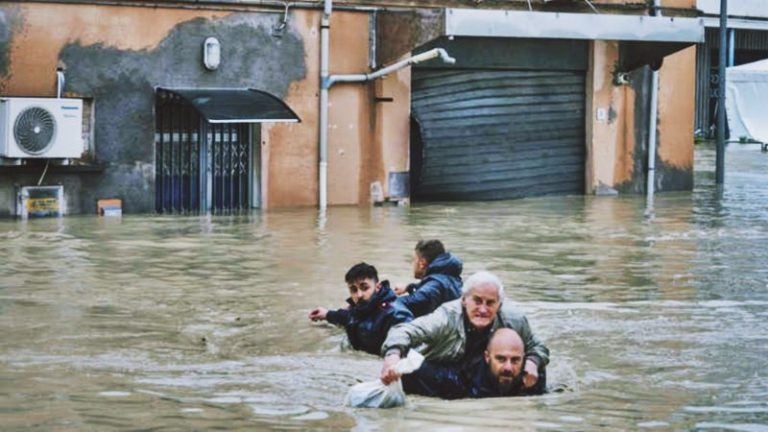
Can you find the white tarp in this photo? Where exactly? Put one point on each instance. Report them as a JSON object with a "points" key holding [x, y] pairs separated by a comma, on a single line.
{"points": [[746, 100]]}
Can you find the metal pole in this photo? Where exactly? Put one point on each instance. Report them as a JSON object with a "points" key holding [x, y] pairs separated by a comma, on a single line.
{"points": [[322, 182], [650, 187], [723, 51]]}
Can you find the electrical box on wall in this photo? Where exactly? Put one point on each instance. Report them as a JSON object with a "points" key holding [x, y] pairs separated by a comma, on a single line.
{"points": [[40, 201]]}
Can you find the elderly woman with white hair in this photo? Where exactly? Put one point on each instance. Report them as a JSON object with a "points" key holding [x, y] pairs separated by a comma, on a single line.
{"points": [[454, 337]]}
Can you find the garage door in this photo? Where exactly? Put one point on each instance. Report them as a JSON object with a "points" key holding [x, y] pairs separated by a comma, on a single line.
{"points": [[496, 134]]}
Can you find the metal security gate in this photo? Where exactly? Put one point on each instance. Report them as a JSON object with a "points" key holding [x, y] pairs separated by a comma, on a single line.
{"points": [[177, 157], [497, 134], [199, 166], [229, 153]]}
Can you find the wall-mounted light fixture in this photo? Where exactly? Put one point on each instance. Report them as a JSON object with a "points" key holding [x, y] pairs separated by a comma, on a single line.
{"points": [[211, 53]]}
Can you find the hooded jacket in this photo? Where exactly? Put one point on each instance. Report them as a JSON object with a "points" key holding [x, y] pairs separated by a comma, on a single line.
{"points": [[367, 324], [442, 283], [444, 334]]}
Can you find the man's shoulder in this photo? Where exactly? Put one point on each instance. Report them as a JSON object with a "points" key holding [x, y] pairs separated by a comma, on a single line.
{"points": [[510, 312], [451, 307], [450, 310]]}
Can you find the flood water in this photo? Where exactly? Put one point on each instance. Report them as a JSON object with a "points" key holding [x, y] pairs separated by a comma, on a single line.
{"points": [[654, 322]]}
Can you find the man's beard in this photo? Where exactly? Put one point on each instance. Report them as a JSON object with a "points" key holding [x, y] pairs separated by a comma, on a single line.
{"points": [[508, 385]]}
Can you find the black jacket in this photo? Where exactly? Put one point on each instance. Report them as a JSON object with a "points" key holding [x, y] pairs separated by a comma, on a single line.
{"points": [[482, 384], [442, 283], [367, 324]]}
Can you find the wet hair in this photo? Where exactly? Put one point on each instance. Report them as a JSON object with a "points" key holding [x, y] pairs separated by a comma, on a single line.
{"points": [[482, 277], [429, 249], [361, 271]]}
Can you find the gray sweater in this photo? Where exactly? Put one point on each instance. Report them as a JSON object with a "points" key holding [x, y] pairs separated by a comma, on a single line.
{"points": [[441, 335]]}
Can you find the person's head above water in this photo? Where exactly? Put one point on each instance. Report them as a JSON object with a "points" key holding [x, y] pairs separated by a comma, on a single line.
{"points": [[423, 254], [482, 294], [362, 280], [505, 355]]}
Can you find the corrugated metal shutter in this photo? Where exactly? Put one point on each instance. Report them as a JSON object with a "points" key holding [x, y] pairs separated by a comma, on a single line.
{"points": [[497, 134]]}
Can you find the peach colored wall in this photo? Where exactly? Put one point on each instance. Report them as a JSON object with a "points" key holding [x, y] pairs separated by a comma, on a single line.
{"points": [[610, 142], [393, 125], [366, 139], [677, 95], [118, 27], [289, 151], [350, 137]]}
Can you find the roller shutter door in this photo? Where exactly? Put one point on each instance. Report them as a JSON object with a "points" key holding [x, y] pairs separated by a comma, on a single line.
{"points": [[497, 134]]}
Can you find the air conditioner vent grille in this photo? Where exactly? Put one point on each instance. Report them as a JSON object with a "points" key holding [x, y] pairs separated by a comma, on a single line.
{"points": [[34, 130]]}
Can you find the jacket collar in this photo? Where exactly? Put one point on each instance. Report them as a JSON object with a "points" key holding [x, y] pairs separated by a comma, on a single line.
{"points": [[379, 299], [445, 264]]}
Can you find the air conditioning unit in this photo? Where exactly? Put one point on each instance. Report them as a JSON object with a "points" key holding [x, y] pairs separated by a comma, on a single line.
{"points": [[41, 128]]}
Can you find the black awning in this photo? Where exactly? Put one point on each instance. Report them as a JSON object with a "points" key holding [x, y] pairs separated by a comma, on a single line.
{"points": [[633, 54], [237, 105]]}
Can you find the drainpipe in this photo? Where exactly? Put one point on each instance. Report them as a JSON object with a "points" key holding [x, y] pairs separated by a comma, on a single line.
{"points": [[59, 82], [325, 26], [654, 110], [418, 58], [326, 81]]}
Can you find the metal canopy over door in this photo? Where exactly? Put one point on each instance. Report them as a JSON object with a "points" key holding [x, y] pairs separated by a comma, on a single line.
{"points": [[499, 133], [204, 154]]}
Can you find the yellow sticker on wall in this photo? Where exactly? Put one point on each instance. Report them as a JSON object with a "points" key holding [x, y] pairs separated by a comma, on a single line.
{"points": [[36, 205]]}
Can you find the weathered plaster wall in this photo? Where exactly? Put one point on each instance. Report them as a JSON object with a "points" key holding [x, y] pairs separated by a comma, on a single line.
{"points": [[119, 55], [610, 140], [617, 147], [677, 98], [393, 124], [289, 151], [350, 143]]}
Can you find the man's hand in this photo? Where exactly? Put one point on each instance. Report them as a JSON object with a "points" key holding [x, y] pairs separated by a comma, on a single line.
{"points": [[401, 289], [531, 376], [318, 314], [388, 374]]}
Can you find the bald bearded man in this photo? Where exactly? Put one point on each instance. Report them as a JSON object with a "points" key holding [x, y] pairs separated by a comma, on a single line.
{"points": [[502, 373]]}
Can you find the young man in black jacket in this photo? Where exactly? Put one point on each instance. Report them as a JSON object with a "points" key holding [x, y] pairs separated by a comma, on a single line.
{"points": [[440, 278], [372, 309]]}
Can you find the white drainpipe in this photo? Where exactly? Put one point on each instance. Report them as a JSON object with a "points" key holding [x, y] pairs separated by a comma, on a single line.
{"points": [[325, 27], [418, 58], [654, 110], [326, 81], [59, 83]]}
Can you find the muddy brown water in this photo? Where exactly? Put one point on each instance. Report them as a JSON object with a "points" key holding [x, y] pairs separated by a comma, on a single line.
{"points": [[655, 321]]}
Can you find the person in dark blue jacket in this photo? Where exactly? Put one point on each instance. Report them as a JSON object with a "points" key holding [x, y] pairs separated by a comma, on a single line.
{"points": [[440, 274], [502, 372], [372, 310], [498, 372]]}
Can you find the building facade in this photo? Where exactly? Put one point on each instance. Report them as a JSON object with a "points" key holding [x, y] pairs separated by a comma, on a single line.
{"points": [[559, 107], [747, 42]]}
